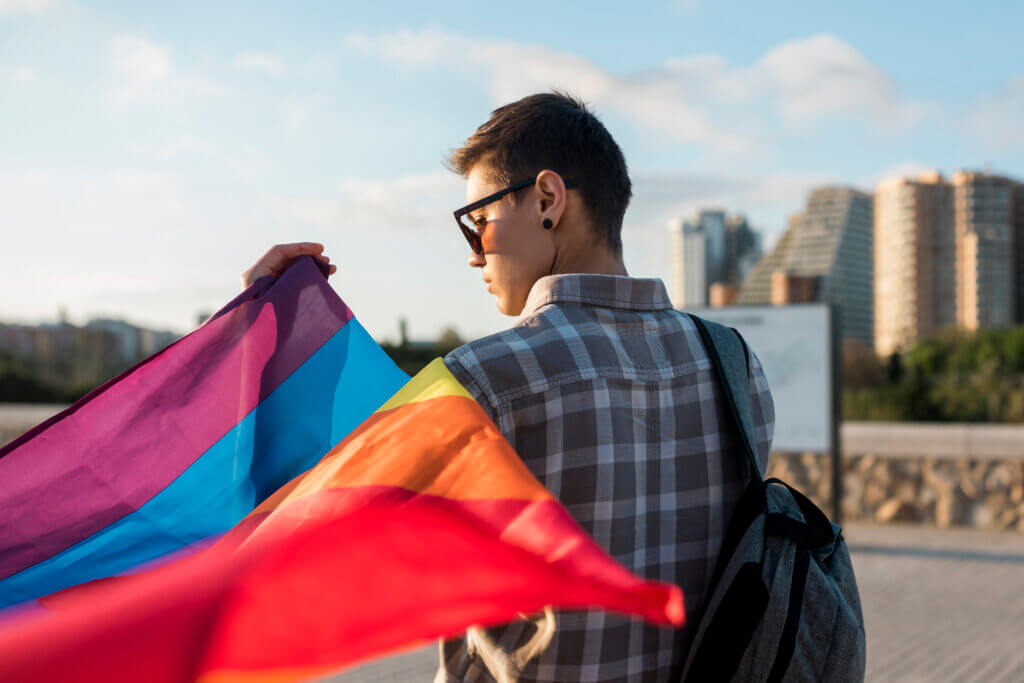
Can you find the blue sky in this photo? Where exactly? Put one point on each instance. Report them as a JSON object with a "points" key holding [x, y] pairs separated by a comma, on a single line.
{"points": [[150, 152]]}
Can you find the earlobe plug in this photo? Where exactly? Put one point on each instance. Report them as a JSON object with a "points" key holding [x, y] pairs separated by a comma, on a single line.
{"points": [[547, 224]]}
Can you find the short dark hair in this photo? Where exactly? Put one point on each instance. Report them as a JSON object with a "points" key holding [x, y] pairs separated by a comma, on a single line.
{"points": [[556, 131]]}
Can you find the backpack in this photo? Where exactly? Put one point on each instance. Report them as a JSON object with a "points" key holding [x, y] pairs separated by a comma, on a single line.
{"points": [[783, 603]]}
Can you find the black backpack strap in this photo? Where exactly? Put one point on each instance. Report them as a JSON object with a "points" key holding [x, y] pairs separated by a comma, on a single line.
{"points": [[731, 360]]}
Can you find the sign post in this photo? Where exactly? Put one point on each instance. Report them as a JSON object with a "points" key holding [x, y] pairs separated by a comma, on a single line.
{"points": [[836, 345], [799, 348]]}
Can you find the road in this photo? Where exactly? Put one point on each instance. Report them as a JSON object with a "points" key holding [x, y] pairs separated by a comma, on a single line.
{"points": [[938, 606]]}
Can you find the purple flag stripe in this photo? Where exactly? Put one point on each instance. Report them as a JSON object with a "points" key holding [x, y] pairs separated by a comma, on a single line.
{"points": [[62, 482]]}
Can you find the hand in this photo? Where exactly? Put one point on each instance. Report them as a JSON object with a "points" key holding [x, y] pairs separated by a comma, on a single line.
{"points": [[280, 255]]}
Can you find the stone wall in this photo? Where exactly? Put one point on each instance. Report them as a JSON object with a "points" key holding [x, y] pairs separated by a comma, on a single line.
{"points": [[942, 491]]}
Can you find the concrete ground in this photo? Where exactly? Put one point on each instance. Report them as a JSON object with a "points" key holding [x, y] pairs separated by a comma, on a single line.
{"points": [[939, 606]]}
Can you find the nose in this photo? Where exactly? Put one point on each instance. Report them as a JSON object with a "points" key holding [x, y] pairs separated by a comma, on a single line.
{"points": [[477, 260]]}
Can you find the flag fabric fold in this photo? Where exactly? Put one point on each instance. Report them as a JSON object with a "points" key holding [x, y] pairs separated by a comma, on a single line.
{"points": [[363, 513], [185, 444]]}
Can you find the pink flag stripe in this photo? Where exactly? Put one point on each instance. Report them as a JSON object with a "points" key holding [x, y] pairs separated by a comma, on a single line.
{"points": [[62, 482]]}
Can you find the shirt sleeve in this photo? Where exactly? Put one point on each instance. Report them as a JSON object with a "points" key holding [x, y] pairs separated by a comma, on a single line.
{"points": [[762, 408], [466, 379]]}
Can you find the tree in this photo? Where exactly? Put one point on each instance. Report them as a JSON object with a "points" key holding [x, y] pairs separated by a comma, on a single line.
{"points": [[448, 340]]}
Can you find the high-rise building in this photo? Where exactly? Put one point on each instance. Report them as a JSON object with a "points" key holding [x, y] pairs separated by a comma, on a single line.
{"points": [[688, 247], [947, 253], [824, 255], [742, 249], [915, 247], [985, 277], [711, 249]]}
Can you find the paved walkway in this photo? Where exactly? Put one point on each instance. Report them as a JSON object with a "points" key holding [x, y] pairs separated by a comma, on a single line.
{"points": [[938, 606], [941, 605]]}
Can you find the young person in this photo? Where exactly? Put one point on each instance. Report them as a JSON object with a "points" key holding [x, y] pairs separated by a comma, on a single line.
{"points": [[604, 391]]}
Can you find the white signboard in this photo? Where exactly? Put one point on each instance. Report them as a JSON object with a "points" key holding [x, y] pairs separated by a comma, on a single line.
{"points": [[795, 348]]}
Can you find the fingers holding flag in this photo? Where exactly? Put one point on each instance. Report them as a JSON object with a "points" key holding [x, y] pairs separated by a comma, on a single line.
{"points": [[280, 255]]}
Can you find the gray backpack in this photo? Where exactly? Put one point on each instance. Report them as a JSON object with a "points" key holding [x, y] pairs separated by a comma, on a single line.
{"points": [[784, 604]]}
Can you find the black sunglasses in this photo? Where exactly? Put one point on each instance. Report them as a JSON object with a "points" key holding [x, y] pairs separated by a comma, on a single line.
{"points": [[465, 224]]}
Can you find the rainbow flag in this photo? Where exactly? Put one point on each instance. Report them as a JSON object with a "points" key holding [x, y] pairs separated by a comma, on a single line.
{"points": [[185, 444], [416, 522]]}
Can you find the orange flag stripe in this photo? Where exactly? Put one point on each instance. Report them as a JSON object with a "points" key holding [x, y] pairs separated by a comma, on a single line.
{"points": [[459, 453]]}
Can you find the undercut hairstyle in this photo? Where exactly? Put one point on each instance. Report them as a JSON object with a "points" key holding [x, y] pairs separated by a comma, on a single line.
{"points": [[554, 131]]}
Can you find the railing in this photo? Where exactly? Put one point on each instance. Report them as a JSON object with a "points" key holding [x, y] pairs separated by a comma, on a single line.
{"points": [[936, 440]]}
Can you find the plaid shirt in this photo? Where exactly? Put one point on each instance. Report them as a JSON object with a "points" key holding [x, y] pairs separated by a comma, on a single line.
{"points": [[608, 396]]}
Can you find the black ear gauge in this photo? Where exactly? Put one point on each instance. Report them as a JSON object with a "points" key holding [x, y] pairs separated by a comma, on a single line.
{"points": [[547, 224]]}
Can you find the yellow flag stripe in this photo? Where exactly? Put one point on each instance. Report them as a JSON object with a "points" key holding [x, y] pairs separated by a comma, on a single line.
{"points": [[433, 381]]}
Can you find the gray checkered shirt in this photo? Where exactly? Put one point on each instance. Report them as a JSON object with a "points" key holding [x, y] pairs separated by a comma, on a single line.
{"points": [[608, 396]]}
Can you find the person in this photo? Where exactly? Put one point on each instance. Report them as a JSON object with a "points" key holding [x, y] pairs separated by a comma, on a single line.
{"points": [[604, 390]]}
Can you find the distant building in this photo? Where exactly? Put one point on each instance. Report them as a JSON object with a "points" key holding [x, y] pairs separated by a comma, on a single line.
{"points": [[743, 250], [688, 248], [708, 250], [915, 256], [133, 342], [66, 355], [824, 255], [985, 227], [721, 295]]}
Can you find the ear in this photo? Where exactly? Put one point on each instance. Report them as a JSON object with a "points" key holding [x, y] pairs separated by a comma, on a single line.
{"points": [[551, 195]]}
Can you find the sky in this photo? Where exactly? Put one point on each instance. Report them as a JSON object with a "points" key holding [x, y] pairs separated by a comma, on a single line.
{"points": [[151, 152]]}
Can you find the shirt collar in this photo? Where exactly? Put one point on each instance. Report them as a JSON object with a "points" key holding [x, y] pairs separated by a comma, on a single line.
{"points": [[605, 291]]}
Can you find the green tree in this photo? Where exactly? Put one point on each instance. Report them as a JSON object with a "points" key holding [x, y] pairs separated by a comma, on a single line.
{"points": [[448, 340]]}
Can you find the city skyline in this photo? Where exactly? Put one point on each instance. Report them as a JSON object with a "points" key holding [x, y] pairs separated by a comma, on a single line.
{"points": [[148, 157], [913, 257]]}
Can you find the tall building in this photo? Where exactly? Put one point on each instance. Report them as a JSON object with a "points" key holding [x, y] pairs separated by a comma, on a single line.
{"points": [[948, 253], [742, 249], [708, 250], [985, 277], [688, 247], [915, 248], [824, 255]]}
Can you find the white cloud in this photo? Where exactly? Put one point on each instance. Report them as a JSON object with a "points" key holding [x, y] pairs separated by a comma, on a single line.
{"points": [[260, 61], [512, 70], [16, 6], [146, 72], [822, 75], [420, 187], [170, 149], [702, 99], [20, 75], [997, 118], [412, 202], [297, 110]]}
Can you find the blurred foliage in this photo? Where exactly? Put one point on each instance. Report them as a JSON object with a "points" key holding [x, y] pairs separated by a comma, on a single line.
{"points": [[412, 358], [956, 376], [448, 340], [17, 385], [29, 380]]}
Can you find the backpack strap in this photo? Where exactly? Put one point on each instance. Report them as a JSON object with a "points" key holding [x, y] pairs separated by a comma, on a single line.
{"points": [[731, 359]]}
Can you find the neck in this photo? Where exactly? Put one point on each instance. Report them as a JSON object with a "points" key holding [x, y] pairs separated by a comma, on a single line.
{"points": [[599, 261]]}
